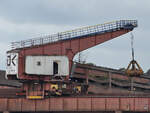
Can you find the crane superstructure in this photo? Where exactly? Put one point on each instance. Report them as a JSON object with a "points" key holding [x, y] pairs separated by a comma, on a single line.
{"points": [[44, 64]]}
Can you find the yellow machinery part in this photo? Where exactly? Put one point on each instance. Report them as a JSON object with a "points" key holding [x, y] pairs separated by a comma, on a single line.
{"points": [[79, 88], [54, 86], [35, 97], [134, 69], [58, 93]]}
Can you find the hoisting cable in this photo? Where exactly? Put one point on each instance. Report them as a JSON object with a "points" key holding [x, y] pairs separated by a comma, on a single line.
{"points": [[133, 68], [132, 46]]}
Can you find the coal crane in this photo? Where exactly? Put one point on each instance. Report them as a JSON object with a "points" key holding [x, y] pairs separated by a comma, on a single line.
{"points": [[44, 64]]}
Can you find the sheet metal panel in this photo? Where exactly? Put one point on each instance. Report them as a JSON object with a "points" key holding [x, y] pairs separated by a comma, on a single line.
{"points": [[42, 105], [84, 104], [56, 104], [112, 104], [70, 104], [127, 104], [3, 104], [28, 105], [43, 65], [75, 104], [98, 104], [39, 65], [14, 104], [141, 104]]}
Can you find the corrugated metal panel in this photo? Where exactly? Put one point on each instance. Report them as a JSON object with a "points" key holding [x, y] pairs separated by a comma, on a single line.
{"points": [[76, 104], [42, 105], [56, 104], [141, 104], [127, 104], [98, 104], [84, 104], [28, 105], [43, 65], [3, 104], [70, 104], [112, 104], [14, 105]]}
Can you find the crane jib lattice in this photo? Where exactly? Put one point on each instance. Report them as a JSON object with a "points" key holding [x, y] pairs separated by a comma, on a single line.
{"points": [[77, 33]]}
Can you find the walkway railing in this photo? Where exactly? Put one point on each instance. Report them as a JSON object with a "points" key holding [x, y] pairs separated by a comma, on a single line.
{"points": [[77, 33]]}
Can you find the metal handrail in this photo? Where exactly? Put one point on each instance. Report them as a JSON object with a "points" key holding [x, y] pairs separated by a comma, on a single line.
{"points": [[77, 33]]}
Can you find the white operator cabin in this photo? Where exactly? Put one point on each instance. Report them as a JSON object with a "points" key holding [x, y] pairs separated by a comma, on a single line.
{"points": [[39, 65], [47, 65]]}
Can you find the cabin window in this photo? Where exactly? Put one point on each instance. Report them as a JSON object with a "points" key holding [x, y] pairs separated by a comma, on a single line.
{"points": [[55, 68], [38, 63]]}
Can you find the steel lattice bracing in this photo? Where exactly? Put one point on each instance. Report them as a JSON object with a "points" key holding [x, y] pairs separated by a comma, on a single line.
{"points": [[69, 43]]}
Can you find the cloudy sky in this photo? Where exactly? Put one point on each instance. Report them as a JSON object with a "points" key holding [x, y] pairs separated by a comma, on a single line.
{"points": [[25, 19]]}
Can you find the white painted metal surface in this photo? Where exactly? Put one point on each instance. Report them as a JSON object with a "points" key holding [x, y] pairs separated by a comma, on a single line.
{"points": [[43, 65], [12, 64]]}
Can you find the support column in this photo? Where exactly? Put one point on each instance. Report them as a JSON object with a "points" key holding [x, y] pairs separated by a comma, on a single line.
{"points": [[132, 81], [109, 74], [87, 78]]}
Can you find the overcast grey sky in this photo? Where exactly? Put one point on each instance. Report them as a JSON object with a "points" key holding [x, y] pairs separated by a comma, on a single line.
{"points": [[25, 19]]}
